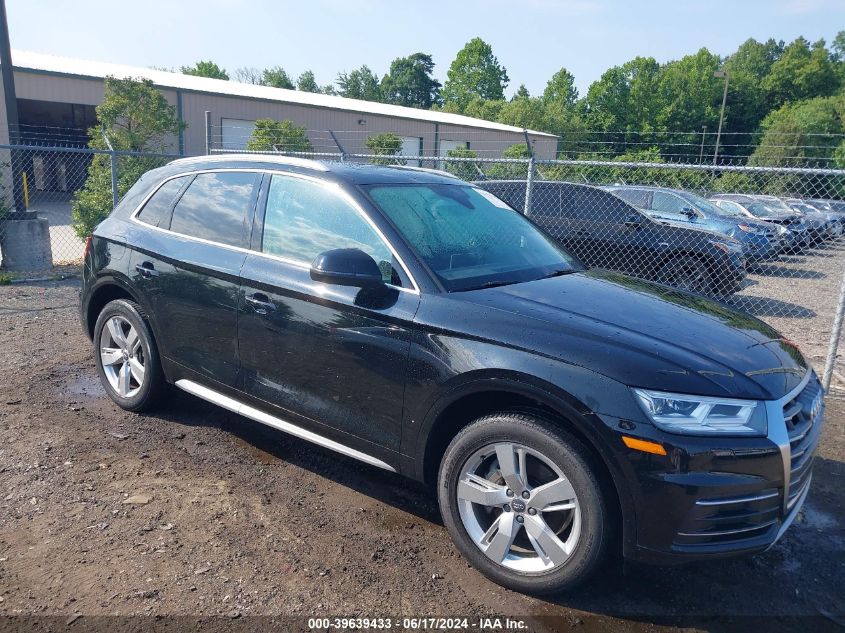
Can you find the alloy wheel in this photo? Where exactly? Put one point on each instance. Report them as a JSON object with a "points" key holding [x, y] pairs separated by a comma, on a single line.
{"points": [[518, 507], [122, 356]]}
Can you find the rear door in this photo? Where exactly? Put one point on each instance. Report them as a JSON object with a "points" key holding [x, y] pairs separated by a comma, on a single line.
{"points": [[335, 357], [188, 267]]}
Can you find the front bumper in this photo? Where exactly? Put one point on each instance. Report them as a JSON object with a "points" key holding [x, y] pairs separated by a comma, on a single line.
{"points": [[717, 497]]}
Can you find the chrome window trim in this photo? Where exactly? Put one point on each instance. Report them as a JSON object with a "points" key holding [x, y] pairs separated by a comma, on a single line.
{"points": [[252, 413], [292, 262]]}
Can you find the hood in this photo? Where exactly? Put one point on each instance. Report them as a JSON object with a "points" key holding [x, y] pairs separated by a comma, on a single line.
{"points": [[644, 335]]}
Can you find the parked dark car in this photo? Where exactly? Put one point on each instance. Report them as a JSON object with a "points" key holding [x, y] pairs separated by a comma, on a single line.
{"points": [[789, 218], [418, 324], [760, 241], [831, 223], [816, 222], [605, 231]]}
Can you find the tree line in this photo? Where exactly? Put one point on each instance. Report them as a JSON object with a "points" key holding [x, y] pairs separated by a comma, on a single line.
{"points": [[785, 102]]}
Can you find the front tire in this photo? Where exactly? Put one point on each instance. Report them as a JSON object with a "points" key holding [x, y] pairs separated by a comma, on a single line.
{"points": [[126, 356], [522, 501]]}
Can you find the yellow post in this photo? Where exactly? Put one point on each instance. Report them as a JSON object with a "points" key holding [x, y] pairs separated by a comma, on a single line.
{"points": [[25, 191]]}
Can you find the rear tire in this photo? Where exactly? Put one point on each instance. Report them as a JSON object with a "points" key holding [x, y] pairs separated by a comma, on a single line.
{"points": [[522, 501], [126, 356], [687, 273]]}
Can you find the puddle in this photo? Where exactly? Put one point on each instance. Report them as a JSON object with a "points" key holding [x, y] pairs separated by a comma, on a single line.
{"points": [[85, 385]]}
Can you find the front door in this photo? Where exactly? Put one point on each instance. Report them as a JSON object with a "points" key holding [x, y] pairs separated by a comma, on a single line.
{"points": [[336, 357]]}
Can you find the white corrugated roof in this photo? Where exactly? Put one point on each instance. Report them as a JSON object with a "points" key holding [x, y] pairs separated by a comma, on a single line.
{"points": [[24, 60]]}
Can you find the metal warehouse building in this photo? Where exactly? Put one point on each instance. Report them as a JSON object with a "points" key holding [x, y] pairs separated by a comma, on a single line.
{"points": [[59, 94]]}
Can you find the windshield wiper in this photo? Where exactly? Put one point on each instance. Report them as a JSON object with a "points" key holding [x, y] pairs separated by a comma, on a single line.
{"points": [[558, 273], [494, 284]]}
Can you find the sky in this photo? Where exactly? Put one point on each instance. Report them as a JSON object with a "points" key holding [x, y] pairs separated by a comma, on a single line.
{"points": [[531, 38]]}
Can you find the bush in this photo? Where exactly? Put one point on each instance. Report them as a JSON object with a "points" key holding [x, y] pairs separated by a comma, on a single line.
{"points": [[282, 136], [385, 144], [136, 117], [464, 170]]}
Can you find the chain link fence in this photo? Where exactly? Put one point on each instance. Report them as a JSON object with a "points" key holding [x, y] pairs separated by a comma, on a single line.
{"points": [[39, 187], [764, 240]]}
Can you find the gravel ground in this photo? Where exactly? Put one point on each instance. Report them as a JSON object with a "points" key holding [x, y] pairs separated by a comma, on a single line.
{"points": [[195, 511]]}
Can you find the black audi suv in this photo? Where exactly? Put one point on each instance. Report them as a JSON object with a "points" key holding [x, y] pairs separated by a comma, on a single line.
{"points": [[419, 324]]}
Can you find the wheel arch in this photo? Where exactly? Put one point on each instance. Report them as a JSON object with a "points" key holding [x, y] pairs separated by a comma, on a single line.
{"points": [[484, 395], [106, 289]]}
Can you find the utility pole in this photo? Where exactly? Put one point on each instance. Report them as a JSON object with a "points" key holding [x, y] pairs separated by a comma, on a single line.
{"points": [[721, 74], [11, 101], [701, 153]]}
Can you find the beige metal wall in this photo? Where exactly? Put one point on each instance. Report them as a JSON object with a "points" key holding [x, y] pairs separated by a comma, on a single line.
{"points": [[353, 133]]}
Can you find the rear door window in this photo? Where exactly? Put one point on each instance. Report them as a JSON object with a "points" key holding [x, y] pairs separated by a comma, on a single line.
{"points": [[215, 207], [156, 211]]}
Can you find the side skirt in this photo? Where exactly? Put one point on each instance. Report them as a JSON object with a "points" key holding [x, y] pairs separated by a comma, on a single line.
{"points": [[277, 423]]}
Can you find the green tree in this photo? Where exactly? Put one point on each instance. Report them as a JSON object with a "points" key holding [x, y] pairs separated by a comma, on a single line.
{"points": [[465, 170], [205, 69], [689, 95], [410, 82], [384, 144], [803, 71], [276, 77], [307, 83], [525, 112], [283, 136], [137, 118], [747, 68], [798, 133], [475, 72], [625, 99], [561, 91], [486, 109], [362, 83], [511, 171]]}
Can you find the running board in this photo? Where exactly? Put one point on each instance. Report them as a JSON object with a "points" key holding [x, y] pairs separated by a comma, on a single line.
{"points": [[277, 423]]}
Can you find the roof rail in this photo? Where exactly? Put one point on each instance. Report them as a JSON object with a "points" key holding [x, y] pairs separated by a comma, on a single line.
{"points": [[255, 157]]}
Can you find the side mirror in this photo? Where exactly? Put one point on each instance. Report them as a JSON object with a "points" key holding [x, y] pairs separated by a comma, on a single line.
{"points": [[633, 220], [346, 267], [690, 213]]}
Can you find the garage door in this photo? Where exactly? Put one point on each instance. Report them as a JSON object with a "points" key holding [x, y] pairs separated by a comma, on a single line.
{"points": [[412, 146], [236, 133]]}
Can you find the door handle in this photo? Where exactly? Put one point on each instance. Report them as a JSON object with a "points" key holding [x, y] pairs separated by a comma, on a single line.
{"points": [[147, 270], [261, 303]]}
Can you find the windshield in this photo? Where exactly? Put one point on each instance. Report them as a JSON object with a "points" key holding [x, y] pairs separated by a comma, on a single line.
{"points": [[701, 203], [760, 210], [469, 238], [731, 209], [777, 204]]}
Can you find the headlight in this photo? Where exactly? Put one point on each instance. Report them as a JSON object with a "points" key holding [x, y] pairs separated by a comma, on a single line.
{"points": [[702, 415]]}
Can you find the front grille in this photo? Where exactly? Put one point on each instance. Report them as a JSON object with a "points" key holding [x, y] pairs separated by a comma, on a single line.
{"points": [[801, 415]]}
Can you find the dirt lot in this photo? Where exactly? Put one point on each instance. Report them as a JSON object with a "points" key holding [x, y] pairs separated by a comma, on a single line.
{"points": [[196, 511]]}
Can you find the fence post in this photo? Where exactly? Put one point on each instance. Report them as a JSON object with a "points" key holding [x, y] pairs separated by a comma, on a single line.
{"points": [[835, 335], [208, 131], [529, 180], [115, 196]]}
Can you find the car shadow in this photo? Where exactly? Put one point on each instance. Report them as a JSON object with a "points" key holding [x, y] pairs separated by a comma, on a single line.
{"points": [[263, 442], [768, 307], [773, 270], [780, 581]]}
